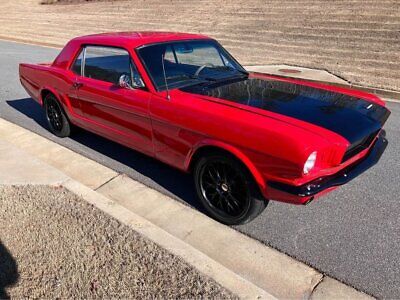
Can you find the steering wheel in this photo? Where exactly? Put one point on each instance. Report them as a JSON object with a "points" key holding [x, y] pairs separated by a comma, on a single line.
{"points": [[198, 71]]}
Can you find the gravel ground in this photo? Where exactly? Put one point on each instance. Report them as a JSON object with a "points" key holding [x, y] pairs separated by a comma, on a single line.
{"points": [[55, 245]]}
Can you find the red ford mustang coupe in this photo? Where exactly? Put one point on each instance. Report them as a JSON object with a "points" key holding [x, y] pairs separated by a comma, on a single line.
{"points": [[182, 98]]}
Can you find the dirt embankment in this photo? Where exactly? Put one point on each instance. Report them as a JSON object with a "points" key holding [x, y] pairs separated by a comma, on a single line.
{"points": [[357, 39], [71, 1]]}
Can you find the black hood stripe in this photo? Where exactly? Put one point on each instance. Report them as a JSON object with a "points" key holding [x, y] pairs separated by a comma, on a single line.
{"points": [[351, 117]]}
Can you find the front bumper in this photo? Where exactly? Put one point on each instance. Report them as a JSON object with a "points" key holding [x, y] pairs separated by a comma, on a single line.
{"points": [[305, 193]]}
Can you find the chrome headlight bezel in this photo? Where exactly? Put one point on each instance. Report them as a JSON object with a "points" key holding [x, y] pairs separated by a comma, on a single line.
{"points": [[310, 163]]}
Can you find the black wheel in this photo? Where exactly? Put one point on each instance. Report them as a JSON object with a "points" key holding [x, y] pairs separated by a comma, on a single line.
{"points": [[227, 190], [56, 117]]}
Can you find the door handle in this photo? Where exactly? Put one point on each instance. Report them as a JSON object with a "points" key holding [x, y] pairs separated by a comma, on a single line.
{"points": [[77, 85]]}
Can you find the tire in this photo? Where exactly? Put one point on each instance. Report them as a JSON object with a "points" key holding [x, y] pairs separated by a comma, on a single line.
{"points": [[227, 190], [56, 117]]}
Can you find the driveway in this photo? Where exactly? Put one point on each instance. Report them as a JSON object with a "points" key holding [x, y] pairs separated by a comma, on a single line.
{"points": [[352, 234]]}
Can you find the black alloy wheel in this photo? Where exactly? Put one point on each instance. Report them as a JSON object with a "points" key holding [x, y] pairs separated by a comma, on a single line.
{"points": [[56, 117], [227, 190]]}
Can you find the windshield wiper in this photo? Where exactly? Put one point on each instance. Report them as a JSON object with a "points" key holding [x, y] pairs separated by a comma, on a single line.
{"points": [[207, 78], [185, 76], [241, 76], [232, 69], [189, 80]]}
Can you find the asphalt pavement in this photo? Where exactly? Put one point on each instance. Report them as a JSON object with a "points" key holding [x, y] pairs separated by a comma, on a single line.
{"points": [[353, 234]]}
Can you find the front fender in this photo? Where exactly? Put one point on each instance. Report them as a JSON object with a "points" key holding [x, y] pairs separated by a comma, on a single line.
{"points": [[240, 155]]}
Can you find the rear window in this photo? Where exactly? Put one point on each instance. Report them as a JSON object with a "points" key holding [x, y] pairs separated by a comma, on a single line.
{"points": [[106, 63]]}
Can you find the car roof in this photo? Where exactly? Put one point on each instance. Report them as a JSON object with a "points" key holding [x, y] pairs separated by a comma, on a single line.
{"points": [[138, 38]]}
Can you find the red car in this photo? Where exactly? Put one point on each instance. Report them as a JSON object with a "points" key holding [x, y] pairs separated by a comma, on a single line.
{"points": [[182, 98]]}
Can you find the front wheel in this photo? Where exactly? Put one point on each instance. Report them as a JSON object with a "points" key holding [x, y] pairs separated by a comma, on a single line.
{"points": [[227, 190]]}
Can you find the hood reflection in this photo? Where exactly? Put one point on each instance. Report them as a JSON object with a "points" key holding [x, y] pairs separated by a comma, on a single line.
{"points": [[351, 117]]}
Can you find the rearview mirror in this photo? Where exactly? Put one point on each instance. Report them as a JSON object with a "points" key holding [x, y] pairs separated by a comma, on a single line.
{"points": [[183, 48], [125, 82]]}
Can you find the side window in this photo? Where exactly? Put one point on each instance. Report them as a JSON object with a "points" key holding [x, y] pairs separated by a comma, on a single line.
{"points": [[169, 55], [106, 63], [77, 66]]}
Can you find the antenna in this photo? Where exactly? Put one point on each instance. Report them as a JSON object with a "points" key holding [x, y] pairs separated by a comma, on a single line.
{"points": [[165, 76]]}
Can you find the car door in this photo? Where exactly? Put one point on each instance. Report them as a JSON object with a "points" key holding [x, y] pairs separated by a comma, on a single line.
{"points": [[119, 113], [72, 91]]}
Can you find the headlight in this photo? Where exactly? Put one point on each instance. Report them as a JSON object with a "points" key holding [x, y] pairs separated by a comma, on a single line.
{"points": [[310, 163]]}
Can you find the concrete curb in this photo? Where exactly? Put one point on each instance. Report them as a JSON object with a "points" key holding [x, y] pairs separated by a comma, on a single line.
{"points": [[225, 277], [29, 42], [271, 270], [330, 288], [265, 268]]}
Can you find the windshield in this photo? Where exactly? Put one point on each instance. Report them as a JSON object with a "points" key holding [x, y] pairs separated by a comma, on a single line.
{"points": [[188, 63]]}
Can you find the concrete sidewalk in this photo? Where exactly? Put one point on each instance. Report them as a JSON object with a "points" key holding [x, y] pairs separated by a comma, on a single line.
{"points": [[238, 263], [25, 178]]}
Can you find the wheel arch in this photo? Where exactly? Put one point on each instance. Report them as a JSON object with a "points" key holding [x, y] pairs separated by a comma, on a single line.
{"points": [[65, 104], [214, 146], [45, 91]]}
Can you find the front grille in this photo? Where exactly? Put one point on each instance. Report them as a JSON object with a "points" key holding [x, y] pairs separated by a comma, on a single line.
{"points": [[359, 146]]}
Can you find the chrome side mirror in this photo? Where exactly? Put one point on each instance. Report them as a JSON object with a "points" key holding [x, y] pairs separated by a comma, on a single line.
{"points": [[125, 82]]}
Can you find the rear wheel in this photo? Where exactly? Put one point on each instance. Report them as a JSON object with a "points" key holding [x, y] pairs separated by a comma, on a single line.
{"points": [[56, 117], [227, 190]]}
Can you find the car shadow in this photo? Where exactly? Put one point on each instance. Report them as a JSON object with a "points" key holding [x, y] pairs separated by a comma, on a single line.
{"points": [[8, 271], [168, 180]]}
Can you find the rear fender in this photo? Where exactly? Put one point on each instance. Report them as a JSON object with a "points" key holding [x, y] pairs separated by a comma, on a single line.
{"points": [[63, 100], [45, 90]]}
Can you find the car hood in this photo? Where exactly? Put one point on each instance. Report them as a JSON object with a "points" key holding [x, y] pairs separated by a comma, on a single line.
{"points": [[351, 117]]}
